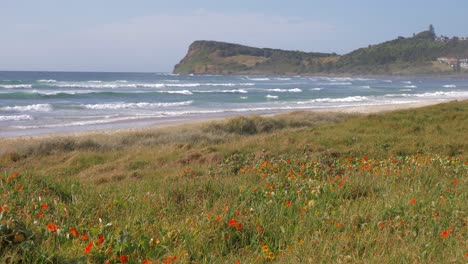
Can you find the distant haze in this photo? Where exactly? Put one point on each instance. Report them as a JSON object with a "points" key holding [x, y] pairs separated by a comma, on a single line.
{"points": [[152, 36]]}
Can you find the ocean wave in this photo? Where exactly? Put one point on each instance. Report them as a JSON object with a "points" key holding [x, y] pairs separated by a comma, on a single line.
{"points": [[442, 94], [268, 96], [121, 84], [407, 82], [410, 86], [15, 86], [336, 83], [244, 97], [47, 81], [294, 90], [221, 91], [406, 90], [316, 89], [364, 87], [336, 100], [283, 79], [116, 106], [450, 86], [15, 118], [29, 108], [184, 92], [258, 79]]}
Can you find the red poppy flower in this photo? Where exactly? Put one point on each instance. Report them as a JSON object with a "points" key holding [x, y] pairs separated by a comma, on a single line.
{"points": [[412, 201], [455, 182], [444, 234], [40, 214], [288, 203], [232, 222], [52, 227], [84, 237], [100, 239], [44, 206], [239, 226], [15, 174], [74, 232], [123, 259], [218, 218], [88, 248]]}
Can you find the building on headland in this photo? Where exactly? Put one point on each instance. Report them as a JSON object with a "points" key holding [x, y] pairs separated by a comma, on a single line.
{"points": [[453, 62]]}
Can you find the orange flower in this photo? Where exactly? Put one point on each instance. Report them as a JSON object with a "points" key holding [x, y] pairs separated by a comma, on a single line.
{"points": [[123, 259], [40, 214], [232, 222], [15, 174], [52, 227], [100, 239], [455, 182], [218, 218], [412, 201], [444, 234], [239, 226], [84, 237], [74, 232], [44, 206], [288, 203], [88, 248]]}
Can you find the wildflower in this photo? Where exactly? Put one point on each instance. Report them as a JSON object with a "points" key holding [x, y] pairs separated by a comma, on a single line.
{"points": [[147, 262], [100, 239], [40, 214], [238, 261], [455, 182], [239, 226], [444, 234], [88, 248], [232, 222], [52, 227], [44, 206], [84, 237], [412, 201], [123, 259], [288, 203], [74, 232], [218, 219], [265, 248]]}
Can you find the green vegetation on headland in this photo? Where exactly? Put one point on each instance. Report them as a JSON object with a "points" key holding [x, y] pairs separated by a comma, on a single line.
{"points": [[414, 55], [297, 188]]}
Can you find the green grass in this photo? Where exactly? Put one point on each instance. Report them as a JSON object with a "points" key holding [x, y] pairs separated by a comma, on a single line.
{"points": [[296, 188]]}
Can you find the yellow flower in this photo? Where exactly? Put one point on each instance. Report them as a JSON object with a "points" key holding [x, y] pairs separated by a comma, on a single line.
{"points": [[311, 203]]}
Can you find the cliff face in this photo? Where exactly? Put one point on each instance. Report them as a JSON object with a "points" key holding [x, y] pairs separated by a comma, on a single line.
{"points": [[211, 57], [416, 55]]}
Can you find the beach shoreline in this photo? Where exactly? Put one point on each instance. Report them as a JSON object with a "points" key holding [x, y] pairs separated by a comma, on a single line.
{"points": [[158, 123]]}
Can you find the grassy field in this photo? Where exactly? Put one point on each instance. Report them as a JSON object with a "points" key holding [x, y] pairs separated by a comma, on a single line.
{"points": [[296, 188]]}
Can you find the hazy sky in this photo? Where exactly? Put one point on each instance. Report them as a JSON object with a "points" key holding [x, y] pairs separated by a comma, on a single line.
{"points": [[153, 35]]}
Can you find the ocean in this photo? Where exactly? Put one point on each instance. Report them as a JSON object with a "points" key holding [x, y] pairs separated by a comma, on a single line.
{"points": [[33, 103]]}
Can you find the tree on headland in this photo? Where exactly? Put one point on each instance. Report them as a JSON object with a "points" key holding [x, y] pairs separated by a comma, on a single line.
{"points": [[432, 33]]}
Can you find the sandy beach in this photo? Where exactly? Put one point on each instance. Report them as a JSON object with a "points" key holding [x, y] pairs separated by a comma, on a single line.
{"points": [[152, 124]]}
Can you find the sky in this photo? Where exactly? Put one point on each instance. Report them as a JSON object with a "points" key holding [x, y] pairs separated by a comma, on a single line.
{"points": [[154, 35]]}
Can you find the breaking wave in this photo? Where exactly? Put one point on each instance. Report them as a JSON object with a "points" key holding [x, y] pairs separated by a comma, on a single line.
{"points": [[115, 106], [336, 100], [15, 118], [29, 108]]}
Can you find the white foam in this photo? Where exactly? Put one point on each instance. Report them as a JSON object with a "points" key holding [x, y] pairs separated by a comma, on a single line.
{"points": [[222, 91], [450, 86], [244, 97], [441, 94], [16, 86], [15, 118], [406, 90], [294, 90], [336, 100], [337, 83], [116, 106], [388, 81], [184, 92], [283, 79], [316, 89], [29, 108], [410, 86], [272, 96], [47, 81], [365, 87], [258, 79], [408, 82]]}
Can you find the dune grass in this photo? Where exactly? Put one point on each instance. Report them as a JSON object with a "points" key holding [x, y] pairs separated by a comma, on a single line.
{"points": [[297, 188]]}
